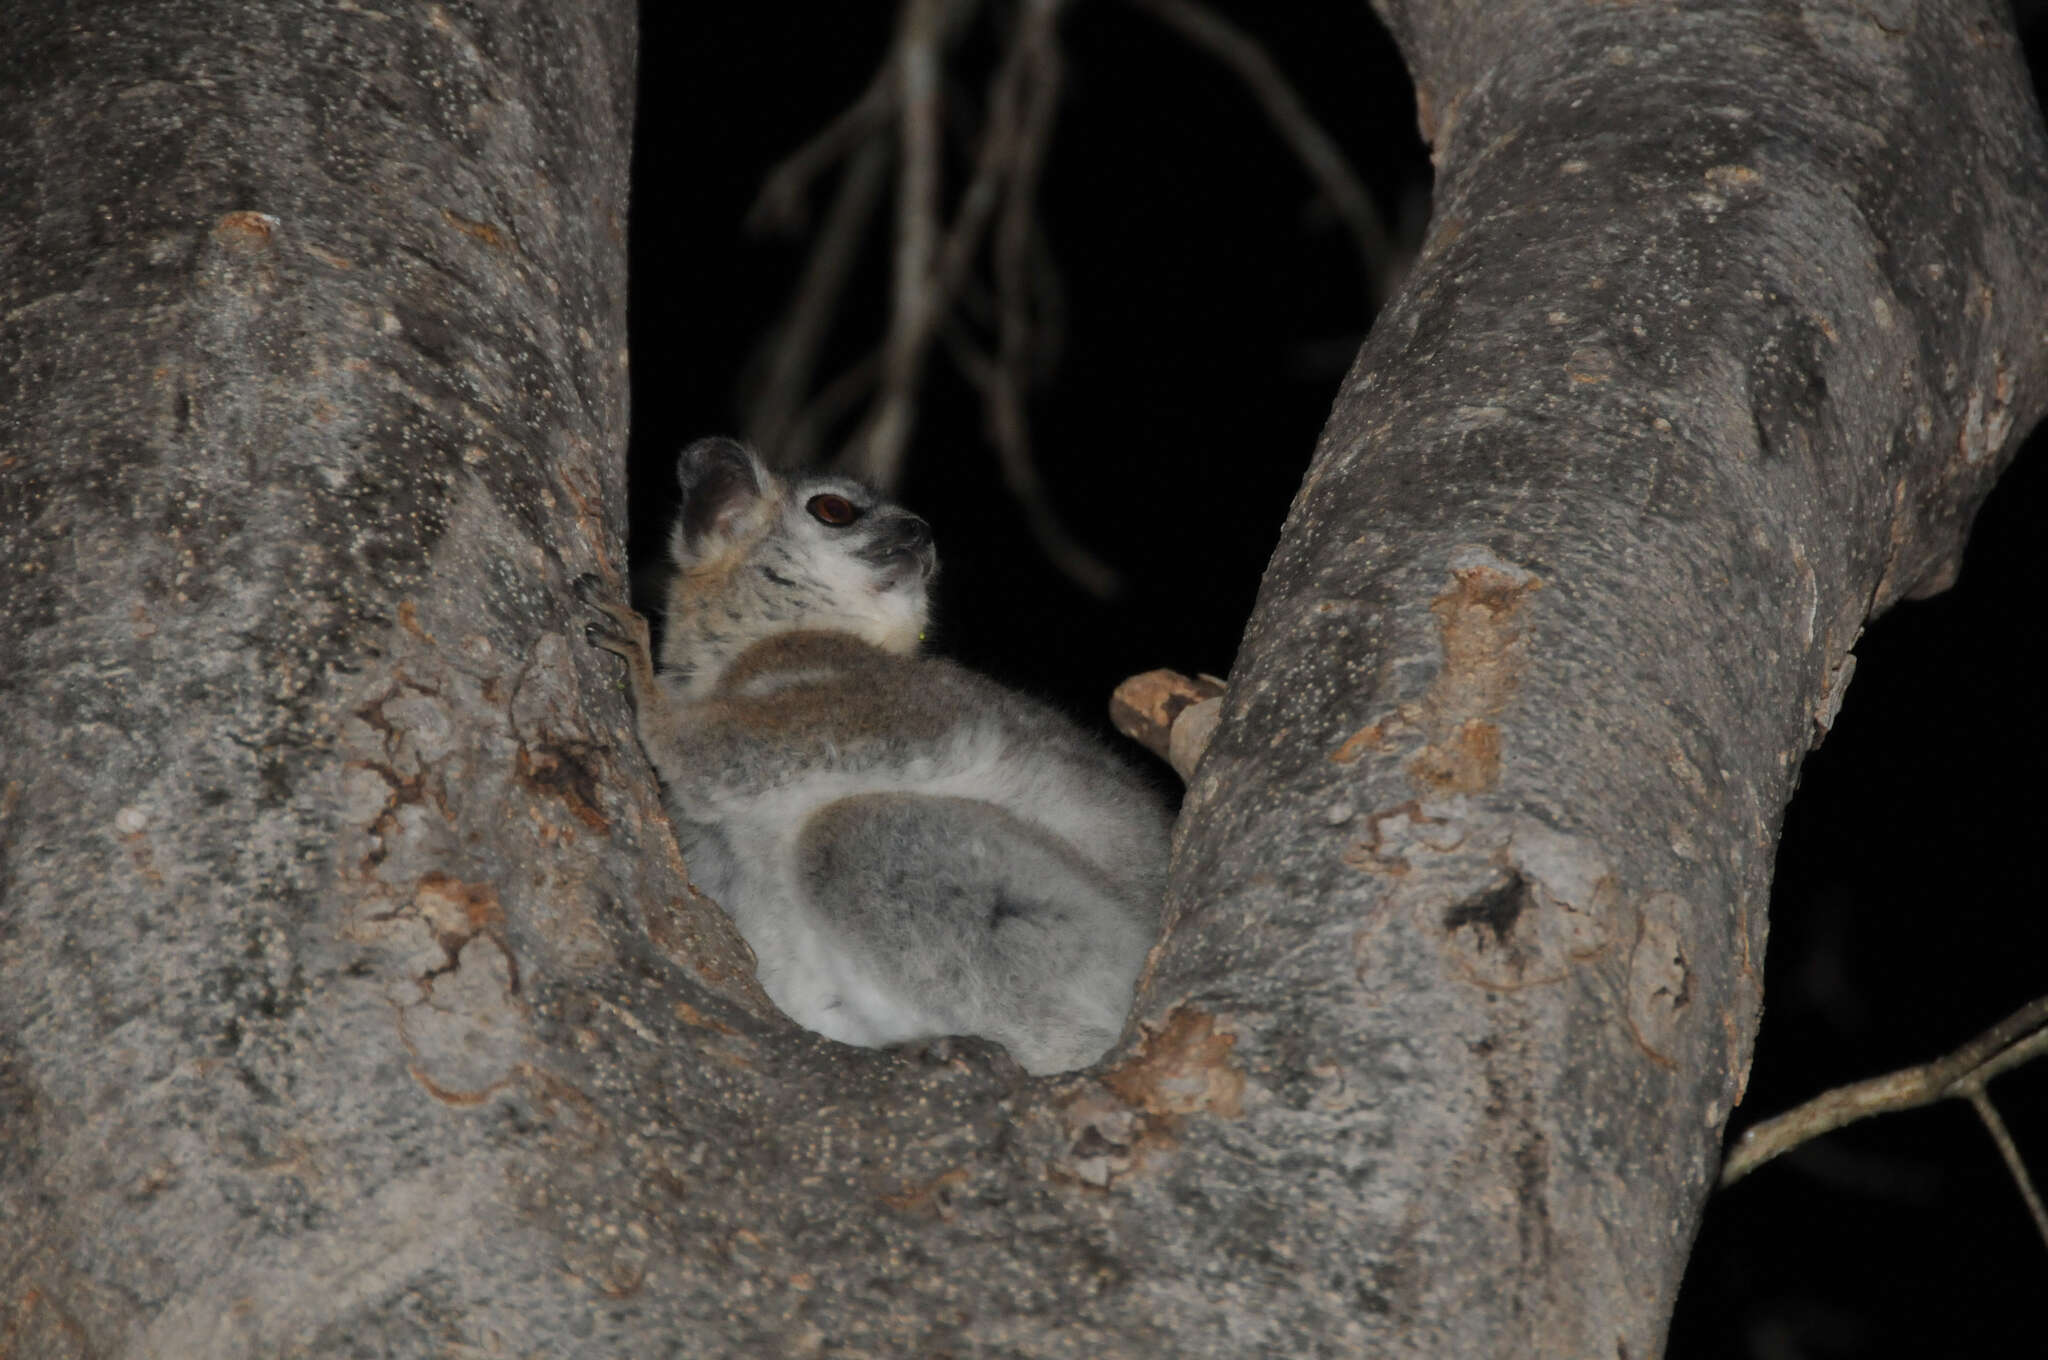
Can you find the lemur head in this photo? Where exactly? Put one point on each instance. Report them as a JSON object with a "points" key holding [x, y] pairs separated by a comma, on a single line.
{"points": [[757, 556]]}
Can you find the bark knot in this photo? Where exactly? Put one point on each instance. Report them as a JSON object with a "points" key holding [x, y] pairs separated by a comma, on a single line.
{"points": [[1550, 909], [245, 229]]}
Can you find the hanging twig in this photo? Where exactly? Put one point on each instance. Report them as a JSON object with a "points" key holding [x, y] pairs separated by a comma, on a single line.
{"points": [[879, 451], [876, 453], [779, 422], [2010, 1152], [1314, 148], [806, 432], [931, 268], [2020, 1037], [779, 205], [1010, 375]]}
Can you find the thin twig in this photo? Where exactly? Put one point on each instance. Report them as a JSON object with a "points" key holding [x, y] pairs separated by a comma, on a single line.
{"points": [[1010, 375], [996, 159], [779, 203], [876, 453], [1981, 1103], [917, 234], [807, 429], [776, 409], [2014, 1039], [1314, 148]]}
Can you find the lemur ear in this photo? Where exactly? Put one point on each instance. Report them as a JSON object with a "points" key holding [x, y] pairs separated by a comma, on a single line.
{"points": [[721, 480]]}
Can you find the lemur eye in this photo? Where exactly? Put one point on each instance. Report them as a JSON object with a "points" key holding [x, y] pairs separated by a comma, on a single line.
{"points": [[836, 511]]}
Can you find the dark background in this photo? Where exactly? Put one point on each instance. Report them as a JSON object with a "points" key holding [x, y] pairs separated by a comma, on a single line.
{"points": [[1211, 305]]}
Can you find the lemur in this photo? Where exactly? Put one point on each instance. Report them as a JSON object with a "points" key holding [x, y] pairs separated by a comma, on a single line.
{"points": [[911, 849]]}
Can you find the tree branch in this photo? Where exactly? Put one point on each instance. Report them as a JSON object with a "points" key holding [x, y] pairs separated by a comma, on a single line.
{"points": [[2020, 1037], [2008, 1150], [1170, 715]]}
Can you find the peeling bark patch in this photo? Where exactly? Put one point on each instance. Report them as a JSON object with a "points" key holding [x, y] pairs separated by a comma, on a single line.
{"points": [[1393, 837], [409, 619], [248, 230], [1484, 655], [1660, 986], [1106, 1140], [386, 827], [457, 913], [1370, 738], [465, 1030], [1731, 179], [1467, 761], [1183, 1067], [561, 770], [414, 729], [477, 231]]}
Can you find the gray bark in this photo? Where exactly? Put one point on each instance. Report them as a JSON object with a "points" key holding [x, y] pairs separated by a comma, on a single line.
{"points": [[315, 382], [353, 1002]]}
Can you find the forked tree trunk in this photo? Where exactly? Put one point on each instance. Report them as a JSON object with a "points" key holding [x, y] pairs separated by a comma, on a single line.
{"points": [[352, 1002]]}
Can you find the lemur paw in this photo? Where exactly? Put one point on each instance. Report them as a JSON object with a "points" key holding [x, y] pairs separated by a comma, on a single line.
{"points": [[620, 630]]}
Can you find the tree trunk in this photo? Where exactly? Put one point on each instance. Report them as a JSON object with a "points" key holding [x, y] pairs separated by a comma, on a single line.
{"points": [[352, 1000], [315, 376]]}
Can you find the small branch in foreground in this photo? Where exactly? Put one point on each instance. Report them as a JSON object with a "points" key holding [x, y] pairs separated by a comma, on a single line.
{"points": [[1170, 715], [1963, 1074]]}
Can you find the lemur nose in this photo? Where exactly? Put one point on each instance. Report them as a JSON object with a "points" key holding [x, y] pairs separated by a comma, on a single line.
{"points": [[909, 534]]}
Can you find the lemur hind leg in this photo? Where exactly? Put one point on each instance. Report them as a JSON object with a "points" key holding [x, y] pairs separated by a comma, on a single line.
{"points": [[971, 920]]}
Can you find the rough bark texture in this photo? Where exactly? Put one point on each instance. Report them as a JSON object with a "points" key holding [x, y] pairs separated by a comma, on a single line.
{"points": [[351, 1001], [315, 388], [1727, 318]]}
